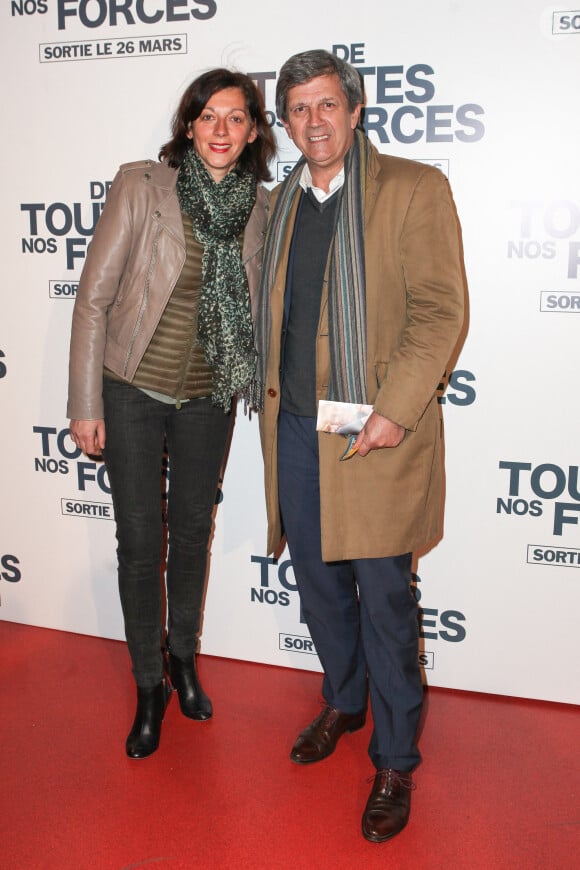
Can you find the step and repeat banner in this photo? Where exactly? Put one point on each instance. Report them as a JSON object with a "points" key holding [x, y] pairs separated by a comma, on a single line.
{"points": [[487, 92]]}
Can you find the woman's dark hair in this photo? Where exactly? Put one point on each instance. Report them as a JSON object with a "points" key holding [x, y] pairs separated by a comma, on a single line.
{"points": [[256, 154]]}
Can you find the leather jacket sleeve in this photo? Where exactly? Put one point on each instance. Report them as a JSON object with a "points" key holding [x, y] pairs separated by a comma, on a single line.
{"points": [[98, 287]]}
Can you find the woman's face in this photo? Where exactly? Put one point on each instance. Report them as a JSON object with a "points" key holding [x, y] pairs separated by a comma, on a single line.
{"points": [[222, 131]]}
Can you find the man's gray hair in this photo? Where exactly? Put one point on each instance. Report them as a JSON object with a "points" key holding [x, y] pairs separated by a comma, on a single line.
{"points": [[307, 65]]}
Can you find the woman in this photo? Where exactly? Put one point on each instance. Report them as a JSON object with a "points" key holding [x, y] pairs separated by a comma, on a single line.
{"points": [[161, 343]]}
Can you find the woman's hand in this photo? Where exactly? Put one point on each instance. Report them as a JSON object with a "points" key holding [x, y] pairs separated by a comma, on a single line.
{"points": [[89, 435]]}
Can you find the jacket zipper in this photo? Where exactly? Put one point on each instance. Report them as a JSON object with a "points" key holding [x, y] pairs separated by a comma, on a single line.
{"points": [[144, 302]]}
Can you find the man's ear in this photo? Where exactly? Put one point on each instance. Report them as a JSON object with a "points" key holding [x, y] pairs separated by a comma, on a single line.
{"points": [[286, 126]]}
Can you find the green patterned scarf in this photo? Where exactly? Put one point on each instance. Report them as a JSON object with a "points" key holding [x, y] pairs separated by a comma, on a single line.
{"points": [[346, 282], [219, 213]]}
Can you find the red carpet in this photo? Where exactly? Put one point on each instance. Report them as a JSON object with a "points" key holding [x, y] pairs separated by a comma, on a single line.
{"points": [[499, 786]]}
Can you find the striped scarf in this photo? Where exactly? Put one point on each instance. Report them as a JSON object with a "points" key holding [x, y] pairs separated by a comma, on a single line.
{"points": [[346, 282]]}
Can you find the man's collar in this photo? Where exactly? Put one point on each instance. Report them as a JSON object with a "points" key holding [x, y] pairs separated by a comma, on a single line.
{"points": [[321, 195]]}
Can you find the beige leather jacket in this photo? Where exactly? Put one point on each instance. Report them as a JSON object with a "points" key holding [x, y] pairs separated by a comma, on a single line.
{"points": [[132, 265]]}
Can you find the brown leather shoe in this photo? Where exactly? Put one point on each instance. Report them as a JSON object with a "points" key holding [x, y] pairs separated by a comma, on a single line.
{"points": [[388, 807], [319, 740]]}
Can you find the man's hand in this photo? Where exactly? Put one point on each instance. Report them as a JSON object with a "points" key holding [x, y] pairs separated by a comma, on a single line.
{"points": [[378, 432], [89, 435]]}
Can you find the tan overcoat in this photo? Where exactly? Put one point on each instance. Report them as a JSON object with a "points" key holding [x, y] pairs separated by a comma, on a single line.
{"points": [[389, 502]]}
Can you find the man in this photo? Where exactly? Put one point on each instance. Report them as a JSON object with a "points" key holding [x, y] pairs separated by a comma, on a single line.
{"points": [[362, 301]]}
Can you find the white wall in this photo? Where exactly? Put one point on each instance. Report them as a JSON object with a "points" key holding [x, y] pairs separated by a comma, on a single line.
{"points": [[489, 92]]}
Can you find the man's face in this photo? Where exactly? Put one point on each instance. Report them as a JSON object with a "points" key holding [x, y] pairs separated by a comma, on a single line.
{"points": [[321, 125]]}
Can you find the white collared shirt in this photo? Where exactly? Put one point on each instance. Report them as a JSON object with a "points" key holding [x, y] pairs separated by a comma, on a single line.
{"points": [[321, 195]]}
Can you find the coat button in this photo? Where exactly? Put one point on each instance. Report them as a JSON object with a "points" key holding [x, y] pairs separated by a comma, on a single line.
{"points": [[272, 393]]}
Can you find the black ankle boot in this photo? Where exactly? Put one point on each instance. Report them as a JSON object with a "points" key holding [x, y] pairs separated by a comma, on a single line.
{"points": [[143, 739], [193, 701]]}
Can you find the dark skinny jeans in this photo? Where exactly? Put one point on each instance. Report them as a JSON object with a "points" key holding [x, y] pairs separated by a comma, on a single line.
{"points": [[137, 428]]}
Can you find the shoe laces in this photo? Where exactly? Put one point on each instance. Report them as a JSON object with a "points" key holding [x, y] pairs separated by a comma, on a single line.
{"points": [[394, 777], [326, 713]]}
